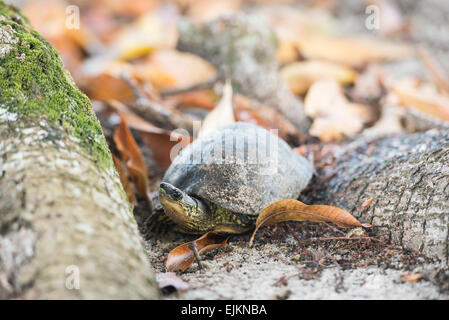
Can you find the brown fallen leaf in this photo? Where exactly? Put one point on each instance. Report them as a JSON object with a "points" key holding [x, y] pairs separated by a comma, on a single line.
{"points": [[124, 180], [182, 257], [198, 98], [334, 117], [411, 277], [171, 70], [423, 96], [294, 210], [301, 75], [266, 117], [106, 86], [353, 52], [160, 141], [131, 155], [167, 281]]}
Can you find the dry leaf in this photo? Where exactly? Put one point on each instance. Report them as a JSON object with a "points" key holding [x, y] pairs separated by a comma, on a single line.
{"points": [[436, 71], [182, 257], [354, 52], [124, 180], [334, 116], [222, 115], [265, 117], [294, 210], [411, 277], [198, 98], [286, 52], [131, 155], [106, 86], [366, 204], [168, 280], [206, 10], [150, 32], [171, 69], [160, 141], [390, 121], [301, 75], [422, 96]]}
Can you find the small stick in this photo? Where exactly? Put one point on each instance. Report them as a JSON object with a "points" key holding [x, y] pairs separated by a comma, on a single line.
{"points": [[194, 248]]}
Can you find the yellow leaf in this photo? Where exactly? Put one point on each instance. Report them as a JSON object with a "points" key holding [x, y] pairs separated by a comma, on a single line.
{"points": [[354, 52], [294, 210], [301, 75]]}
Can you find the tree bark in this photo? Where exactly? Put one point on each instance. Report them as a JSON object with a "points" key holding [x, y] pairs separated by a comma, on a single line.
{"points": [[407, 178], [66, 228]]}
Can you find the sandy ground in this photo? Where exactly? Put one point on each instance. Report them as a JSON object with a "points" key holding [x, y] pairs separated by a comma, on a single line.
{"points": [[278, 267]]}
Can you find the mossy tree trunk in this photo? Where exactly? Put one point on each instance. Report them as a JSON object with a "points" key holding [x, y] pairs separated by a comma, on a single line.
{"points": [[407, 179], [66, 227]]}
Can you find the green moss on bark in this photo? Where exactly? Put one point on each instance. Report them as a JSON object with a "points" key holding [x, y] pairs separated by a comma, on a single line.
{"points": [[34, 83]]}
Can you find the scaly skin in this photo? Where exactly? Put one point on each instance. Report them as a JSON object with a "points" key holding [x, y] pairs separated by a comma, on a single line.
{"points": [[197, 216]]}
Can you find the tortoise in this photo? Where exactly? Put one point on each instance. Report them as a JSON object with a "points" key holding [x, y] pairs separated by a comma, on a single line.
{"points": [[221, 182]]}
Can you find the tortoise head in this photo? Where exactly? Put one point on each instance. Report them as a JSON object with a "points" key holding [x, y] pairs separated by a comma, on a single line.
{"points": [[187, 212]]}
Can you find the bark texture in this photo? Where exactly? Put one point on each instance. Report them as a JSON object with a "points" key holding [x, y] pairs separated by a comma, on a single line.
{"points": [[407, 178], [66, 228]]}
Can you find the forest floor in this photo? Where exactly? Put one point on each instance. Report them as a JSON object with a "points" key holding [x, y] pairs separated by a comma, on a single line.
{"points": [[286, 264]]}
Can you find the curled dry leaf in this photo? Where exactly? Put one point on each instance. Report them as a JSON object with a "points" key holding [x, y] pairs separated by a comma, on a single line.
{"points": [[168, 280], [294, 210], [301, 75], [182, 257], [334, 116], [354, 52], [222, 115], [423, 96], [130, 153], [124, 180], [161, 142]]}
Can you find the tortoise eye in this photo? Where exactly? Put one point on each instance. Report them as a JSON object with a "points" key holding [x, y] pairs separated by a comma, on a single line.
{"points": [[176, 195]]}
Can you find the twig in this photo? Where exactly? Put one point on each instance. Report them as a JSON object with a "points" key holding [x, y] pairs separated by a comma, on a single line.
{"points": [[341, 238], [194, 248], [294, 235], [209, 84], [340, 272]]}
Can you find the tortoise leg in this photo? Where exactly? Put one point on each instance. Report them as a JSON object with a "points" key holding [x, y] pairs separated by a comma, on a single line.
{"points": [[159, 222]]}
